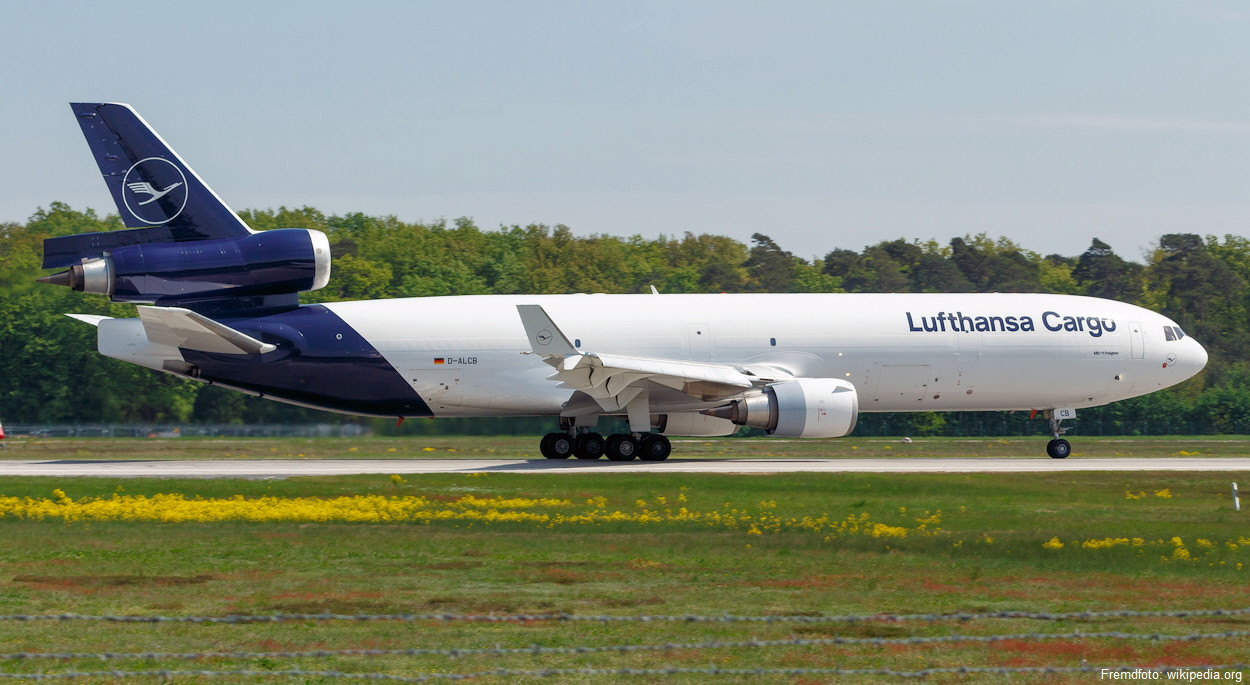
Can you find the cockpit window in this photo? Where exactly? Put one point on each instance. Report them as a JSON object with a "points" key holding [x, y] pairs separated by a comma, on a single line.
{"points": [[1179, 333], [1173, 332]]}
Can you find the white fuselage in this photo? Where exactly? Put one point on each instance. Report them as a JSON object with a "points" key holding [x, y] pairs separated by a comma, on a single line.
{"points": [[469, 355]]}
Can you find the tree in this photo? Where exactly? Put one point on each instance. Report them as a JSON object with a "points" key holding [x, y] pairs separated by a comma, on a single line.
{"points": [[872, 271], [1201, 293], [811, 278], [996, 266], [883, 272], [897, 266], [358, 278], [770, 267], [1102, 273], [934, 273]]}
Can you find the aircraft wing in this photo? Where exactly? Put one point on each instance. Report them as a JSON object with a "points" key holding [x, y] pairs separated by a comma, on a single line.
{"points": [[178, 327], [610, 378], [615, 380]]}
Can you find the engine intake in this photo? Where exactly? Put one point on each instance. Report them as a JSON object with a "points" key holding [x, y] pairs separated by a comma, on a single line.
{"points": [[801, 408], [277, 262]]}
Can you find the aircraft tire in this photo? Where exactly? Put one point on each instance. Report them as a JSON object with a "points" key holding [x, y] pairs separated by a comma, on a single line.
{"points": [[556, 446], [588, 446], [622, 447], [1058, 449], [655, 447]]}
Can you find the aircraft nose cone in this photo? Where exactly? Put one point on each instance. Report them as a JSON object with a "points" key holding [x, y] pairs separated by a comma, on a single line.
{"points": [[1192, 359]]}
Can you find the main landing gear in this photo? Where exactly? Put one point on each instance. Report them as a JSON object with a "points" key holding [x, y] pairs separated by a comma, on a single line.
{"points": [[617, 447]]}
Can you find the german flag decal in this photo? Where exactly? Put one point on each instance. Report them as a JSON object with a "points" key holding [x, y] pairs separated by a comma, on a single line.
{"points": [[439, 360]]}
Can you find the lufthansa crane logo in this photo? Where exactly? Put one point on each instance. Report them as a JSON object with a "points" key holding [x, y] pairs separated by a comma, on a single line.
{"points": [[146, 188], [154, 190], [543, 337]]}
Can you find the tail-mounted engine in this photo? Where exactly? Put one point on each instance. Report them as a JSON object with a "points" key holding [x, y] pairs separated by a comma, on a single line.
{"points": [[184, 246], [801, 408], [278, 262]]}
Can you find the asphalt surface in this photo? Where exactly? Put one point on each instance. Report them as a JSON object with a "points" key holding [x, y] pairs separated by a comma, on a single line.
{"points": [[285, 468]]}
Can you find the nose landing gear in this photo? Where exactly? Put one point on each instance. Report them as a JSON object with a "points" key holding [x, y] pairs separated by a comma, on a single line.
{"points": [[1058, 448]]}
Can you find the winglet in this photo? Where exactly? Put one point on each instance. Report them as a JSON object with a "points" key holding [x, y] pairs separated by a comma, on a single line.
{"points": [[544, 335]]}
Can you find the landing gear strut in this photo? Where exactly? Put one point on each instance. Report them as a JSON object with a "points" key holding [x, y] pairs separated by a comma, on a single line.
{"points": [[1058, 448]]}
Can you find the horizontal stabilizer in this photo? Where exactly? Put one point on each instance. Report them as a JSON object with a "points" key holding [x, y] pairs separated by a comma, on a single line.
{"points": [[183, 328], [67, 250], [93, 319]]}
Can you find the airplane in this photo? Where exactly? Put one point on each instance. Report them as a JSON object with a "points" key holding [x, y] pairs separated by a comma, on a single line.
{"points": [[219, 303]]}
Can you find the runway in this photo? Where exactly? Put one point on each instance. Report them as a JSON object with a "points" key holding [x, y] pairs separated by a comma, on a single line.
{"points": [[287, 468]]}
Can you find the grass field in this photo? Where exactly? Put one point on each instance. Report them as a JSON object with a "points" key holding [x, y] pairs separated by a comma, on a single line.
{"points": [[622, 545]]}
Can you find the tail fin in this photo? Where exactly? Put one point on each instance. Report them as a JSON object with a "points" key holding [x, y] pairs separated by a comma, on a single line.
{"points": [[156, 192]]}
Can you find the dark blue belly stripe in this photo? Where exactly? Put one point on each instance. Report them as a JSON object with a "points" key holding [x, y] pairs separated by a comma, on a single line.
{"points": [[320, 362]]}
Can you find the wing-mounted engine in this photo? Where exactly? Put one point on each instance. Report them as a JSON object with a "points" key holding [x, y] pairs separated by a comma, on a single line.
{"points": [[278, 262], [799, 408]]}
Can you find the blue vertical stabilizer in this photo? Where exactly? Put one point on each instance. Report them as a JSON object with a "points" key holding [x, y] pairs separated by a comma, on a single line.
{"points": [[155, 191]]}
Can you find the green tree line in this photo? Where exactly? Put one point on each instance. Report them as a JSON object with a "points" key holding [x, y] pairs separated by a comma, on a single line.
{"points": [[50, 371]]}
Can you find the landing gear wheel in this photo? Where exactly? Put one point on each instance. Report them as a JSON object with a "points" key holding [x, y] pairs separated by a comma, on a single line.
{"points": [[556, 446], [1058, 448], [622, 447], [588, 446], [655, 447]]}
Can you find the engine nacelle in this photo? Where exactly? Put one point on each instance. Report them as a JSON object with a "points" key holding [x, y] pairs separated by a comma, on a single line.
{"points": [[801, 408], [278, 262]]}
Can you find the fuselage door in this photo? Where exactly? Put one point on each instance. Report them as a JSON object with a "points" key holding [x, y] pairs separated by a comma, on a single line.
{"points": [[1136, 340]]}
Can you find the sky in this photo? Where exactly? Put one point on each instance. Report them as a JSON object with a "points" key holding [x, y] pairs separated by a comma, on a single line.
{"points": [[823, 125]]}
